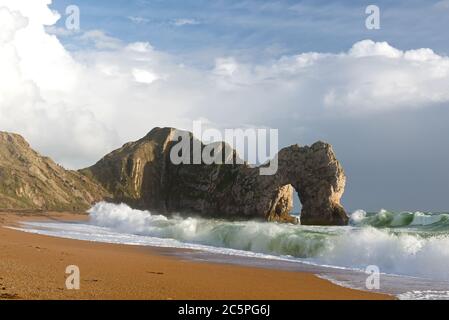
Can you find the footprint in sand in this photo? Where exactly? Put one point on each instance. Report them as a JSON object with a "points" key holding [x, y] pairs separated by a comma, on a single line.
{"points": [[9, 296], [157, 273]]}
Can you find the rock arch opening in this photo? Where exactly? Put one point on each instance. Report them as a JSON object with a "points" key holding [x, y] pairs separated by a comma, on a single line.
{"points": [[297, 205], [294, 205]]}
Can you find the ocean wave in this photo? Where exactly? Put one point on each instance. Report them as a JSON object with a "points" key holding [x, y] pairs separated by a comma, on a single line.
{"points": [[388, 219], [260, 237], [367, 242]]}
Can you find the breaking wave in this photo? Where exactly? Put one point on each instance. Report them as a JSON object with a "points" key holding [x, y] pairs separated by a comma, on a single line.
{"points": [[387, 219], [414, 244]]}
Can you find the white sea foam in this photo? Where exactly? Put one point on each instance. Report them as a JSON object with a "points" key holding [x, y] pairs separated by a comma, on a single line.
{"points": [[357, 217], [395, 253], [424, 295]]}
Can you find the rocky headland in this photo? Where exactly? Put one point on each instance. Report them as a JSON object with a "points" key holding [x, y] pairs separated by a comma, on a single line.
{"points": [[142, 175]]}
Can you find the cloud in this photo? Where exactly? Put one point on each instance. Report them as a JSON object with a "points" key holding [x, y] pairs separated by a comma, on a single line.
{"points": [[141, 47], [10, 22], [100, 39], [138, 20], [76, 106], [144, 76], [225, 66], [59, 31], [185, 22], [36, 74]]}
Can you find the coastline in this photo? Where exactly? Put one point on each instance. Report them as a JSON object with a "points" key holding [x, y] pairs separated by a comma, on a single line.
{"points": [[33, 267]]}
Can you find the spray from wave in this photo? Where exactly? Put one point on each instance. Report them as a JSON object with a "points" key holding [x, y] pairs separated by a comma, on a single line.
{"points": [[415, 244]]}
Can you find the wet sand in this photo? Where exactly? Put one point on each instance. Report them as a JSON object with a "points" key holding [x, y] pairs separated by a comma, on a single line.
{"points": [[33, 267]]}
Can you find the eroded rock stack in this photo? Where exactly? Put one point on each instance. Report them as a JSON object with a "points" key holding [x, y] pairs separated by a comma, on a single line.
{"points": [[142, 175]]}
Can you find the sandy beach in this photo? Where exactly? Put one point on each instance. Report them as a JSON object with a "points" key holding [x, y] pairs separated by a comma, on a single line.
{"points": [[33, 267]]}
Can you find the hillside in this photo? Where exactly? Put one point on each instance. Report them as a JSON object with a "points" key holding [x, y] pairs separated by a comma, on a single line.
{"points": [[31, 181]]}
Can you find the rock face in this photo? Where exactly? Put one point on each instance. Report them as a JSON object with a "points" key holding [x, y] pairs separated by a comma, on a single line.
{"points": [[315, 173], [142, 175], [30, 181]]}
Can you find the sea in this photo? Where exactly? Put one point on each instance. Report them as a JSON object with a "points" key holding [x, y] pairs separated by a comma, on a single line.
{"points": [[406, 252]]}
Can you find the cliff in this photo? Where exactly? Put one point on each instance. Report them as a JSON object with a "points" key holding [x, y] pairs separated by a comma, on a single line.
{"points": [[31, 181]]}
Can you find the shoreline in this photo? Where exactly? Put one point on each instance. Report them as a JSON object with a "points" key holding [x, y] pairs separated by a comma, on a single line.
{"points": [[33, 267]]}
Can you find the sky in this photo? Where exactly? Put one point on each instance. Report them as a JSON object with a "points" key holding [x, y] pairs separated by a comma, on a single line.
{"points": [[310, 69]]}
